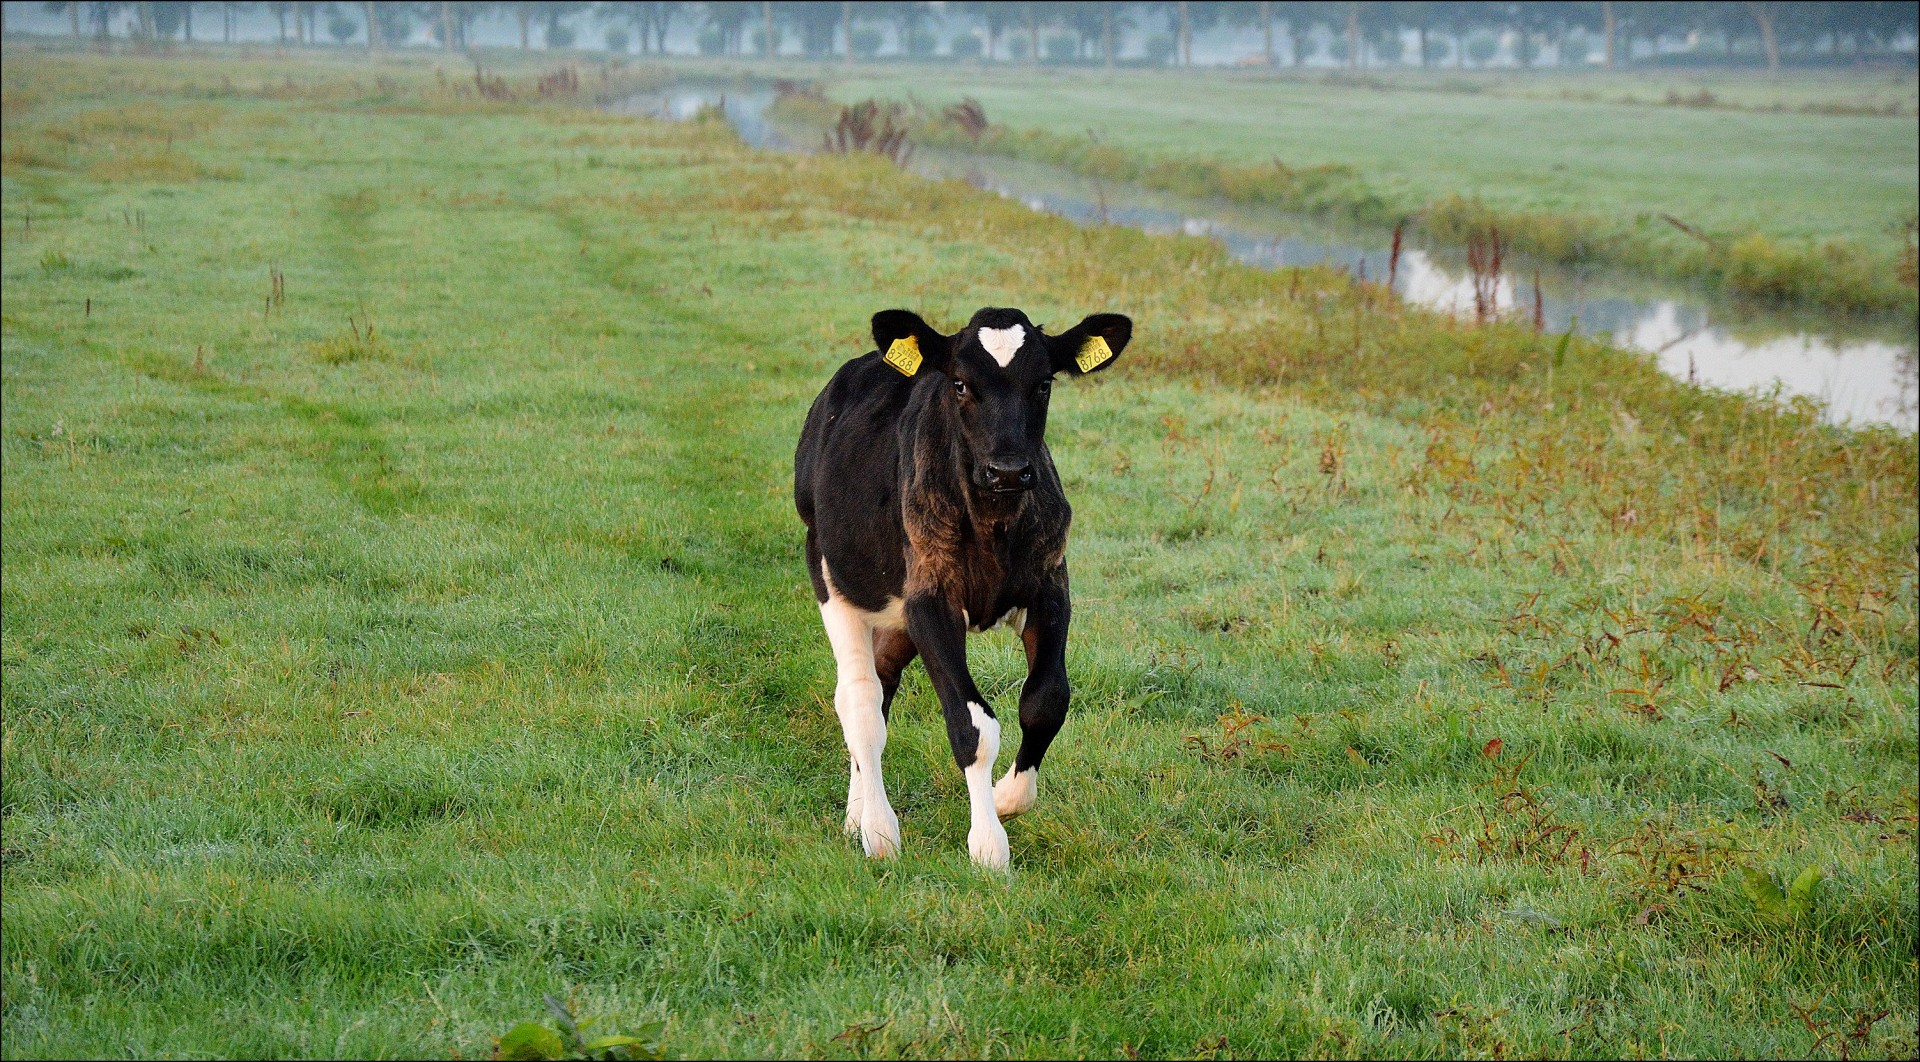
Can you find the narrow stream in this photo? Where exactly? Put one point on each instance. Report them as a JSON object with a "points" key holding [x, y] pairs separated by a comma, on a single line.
{"points": [[1864, 372]]}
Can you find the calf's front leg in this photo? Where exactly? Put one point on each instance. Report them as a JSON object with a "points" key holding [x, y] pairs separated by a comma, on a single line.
{"points": [[1043, 699], [939, 630]]}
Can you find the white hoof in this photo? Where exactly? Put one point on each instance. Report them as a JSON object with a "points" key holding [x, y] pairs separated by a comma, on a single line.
{"points": [[880, 832], [1015, 792], [987, 844]]}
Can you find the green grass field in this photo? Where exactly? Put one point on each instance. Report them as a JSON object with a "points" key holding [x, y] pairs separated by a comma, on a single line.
{"points": [[1831, 90], [1791, 176], [404, 618], [1797, 192]]}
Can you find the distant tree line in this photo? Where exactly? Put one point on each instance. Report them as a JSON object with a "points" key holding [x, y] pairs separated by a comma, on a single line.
{"points": [[1609, 33]]}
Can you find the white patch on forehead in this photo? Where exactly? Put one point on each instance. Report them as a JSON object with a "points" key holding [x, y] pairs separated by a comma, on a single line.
{"points": [[1003, 343]]}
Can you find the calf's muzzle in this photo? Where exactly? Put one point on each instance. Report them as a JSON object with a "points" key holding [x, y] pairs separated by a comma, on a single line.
{"points": [[1005, 477]]}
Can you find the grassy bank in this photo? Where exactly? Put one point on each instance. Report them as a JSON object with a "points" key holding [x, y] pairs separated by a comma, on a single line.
{"points": [[404, 618], [1781, 206]]}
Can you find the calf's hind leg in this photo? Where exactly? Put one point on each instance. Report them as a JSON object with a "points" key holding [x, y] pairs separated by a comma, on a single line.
{"points": [[858, 700], [892, 652]]}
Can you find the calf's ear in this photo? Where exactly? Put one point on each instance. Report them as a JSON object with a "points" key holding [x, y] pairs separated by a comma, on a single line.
{"points": [[1091, 345], [910, 345]]}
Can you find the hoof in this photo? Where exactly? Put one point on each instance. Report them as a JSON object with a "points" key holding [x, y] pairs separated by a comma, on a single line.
{"points": [[988, 846], [880, 833]]}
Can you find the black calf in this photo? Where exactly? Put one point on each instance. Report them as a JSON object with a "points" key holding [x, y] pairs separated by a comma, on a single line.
{"points": [[933, 508]]}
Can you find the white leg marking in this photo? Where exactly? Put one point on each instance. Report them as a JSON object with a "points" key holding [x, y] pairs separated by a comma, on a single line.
{"points": [[1003, 343], [855, 791], [987, 839], [856, 698], [1015, 792], [893, 617]]}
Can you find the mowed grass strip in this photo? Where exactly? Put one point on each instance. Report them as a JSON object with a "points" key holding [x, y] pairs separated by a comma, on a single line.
{"points": [[392, 643]]}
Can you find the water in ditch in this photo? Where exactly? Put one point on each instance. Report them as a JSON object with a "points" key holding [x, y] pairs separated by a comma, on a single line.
{"points": [[1863, 371]]}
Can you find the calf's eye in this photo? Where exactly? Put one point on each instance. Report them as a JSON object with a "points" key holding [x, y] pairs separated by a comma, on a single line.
{"points": [[960, 388], [1045, 389]]}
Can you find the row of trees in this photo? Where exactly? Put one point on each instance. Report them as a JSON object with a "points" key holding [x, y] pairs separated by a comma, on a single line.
{"points": [[1354, 33], [1456, 32]]}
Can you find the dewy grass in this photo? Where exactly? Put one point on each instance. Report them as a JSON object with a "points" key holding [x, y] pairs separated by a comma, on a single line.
{"points": [[1567, 181], [1437, 686]]}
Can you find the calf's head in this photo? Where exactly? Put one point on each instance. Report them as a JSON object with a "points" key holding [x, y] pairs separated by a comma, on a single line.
{"points": [[998, 373]]}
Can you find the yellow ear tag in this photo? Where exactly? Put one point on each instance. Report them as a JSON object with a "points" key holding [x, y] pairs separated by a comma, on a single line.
{"points": [[904, 355], [1093, 354]]}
